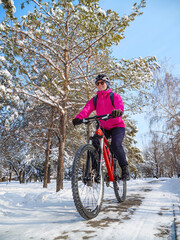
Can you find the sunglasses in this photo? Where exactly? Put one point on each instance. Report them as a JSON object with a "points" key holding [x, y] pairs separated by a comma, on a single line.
{"points": [[102, 83]]}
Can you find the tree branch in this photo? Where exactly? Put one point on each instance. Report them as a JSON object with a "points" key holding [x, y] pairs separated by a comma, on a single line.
{"points": [[91, 45]]}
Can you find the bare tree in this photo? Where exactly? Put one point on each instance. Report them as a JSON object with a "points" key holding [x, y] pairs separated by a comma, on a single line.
{"points": [[165, 111]]}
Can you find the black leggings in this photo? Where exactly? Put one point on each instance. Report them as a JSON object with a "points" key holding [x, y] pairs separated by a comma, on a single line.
{"points": [[117, 135]]}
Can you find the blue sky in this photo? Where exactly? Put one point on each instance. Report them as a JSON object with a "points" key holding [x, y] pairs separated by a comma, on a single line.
{"points": [[155, 33]]}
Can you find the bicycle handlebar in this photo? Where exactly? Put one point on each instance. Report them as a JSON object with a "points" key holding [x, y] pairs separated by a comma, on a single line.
{"points": [[97, 118]]}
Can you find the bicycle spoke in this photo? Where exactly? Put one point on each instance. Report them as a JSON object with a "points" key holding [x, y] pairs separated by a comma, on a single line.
{"points": [[87, 192], [119, 185]]}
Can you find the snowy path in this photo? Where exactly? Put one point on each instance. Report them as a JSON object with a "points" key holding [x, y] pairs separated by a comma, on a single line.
{"points": [[151, 211]]}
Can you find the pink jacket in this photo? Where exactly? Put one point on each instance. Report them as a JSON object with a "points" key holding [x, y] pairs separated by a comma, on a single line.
{"points": [[104, 106]]}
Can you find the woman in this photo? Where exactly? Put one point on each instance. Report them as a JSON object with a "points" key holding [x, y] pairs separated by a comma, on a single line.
{"points": [[114, 127]]}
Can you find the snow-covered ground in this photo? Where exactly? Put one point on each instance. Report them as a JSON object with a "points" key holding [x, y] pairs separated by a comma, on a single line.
{"points": [[151, 211]]}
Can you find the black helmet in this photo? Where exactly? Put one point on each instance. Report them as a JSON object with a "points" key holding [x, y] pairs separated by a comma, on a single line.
{"points": [[103, 77]]}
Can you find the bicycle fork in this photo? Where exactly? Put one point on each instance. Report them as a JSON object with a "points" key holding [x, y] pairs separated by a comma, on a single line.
{"points": [[99, 169], [104, 152]]}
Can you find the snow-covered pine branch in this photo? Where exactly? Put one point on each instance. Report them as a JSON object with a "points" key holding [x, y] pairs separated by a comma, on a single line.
{"points": [[39, 41]]}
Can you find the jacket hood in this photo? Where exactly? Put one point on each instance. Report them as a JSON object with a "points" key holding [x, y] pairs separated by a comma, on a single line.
{"points": [[104, 93]]}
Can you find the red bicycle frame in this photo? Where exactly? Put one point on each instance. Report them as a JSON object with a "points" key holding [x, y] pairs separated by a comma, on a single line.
{"points": [[106, 153]]}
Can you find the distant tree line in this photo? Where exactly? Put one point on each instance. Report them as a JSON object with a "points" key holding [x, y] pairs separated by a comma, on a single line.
{"points": [[162, 156]]}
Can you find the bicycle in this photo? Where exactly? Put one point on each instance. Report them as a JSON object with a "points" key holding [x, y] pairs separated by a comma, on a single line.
{"points": [[87, 172]]}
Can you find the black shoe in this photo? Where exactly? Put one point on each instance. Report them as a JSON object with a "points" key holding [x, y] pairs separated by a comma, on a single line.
{"points": [[125, 173]]}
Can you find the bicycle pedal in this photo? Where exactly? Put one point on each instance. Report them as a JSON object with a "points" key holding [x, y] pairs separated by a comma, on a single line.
{"points": [[107, 184], [106, 178], [117, 178], [97, 179]]}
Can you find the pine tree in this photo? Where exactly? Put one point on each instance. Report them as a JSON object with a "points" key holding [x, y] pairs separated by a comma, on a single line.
{"points": [[57, 50]]}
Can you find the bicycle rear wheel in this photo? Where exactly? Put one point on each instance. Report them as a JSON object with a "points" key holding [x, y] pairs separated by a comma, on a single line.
{"points": [[87, 184], [120, 186]]}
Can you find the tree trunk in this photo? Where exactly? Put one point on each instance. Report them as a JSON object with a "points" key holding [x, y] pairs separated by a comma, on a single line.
{"points": [[10, 173], [156, 161], [49, 174], [60, 167], [46, 166], [10, 176], [63, 117], [20, 177], [23, 177], [60, 163], [48, 150]]}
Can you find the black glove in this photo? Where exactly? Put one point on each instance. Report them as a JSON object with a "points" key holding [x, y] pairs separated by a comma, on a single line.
{"points": [[117, 113], [76, 121]]}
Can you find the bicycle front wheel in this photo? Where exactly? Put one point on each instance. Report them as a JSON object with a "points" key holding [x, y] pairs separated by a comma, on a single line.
{"points": [[87, 182], [120, 186]]}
